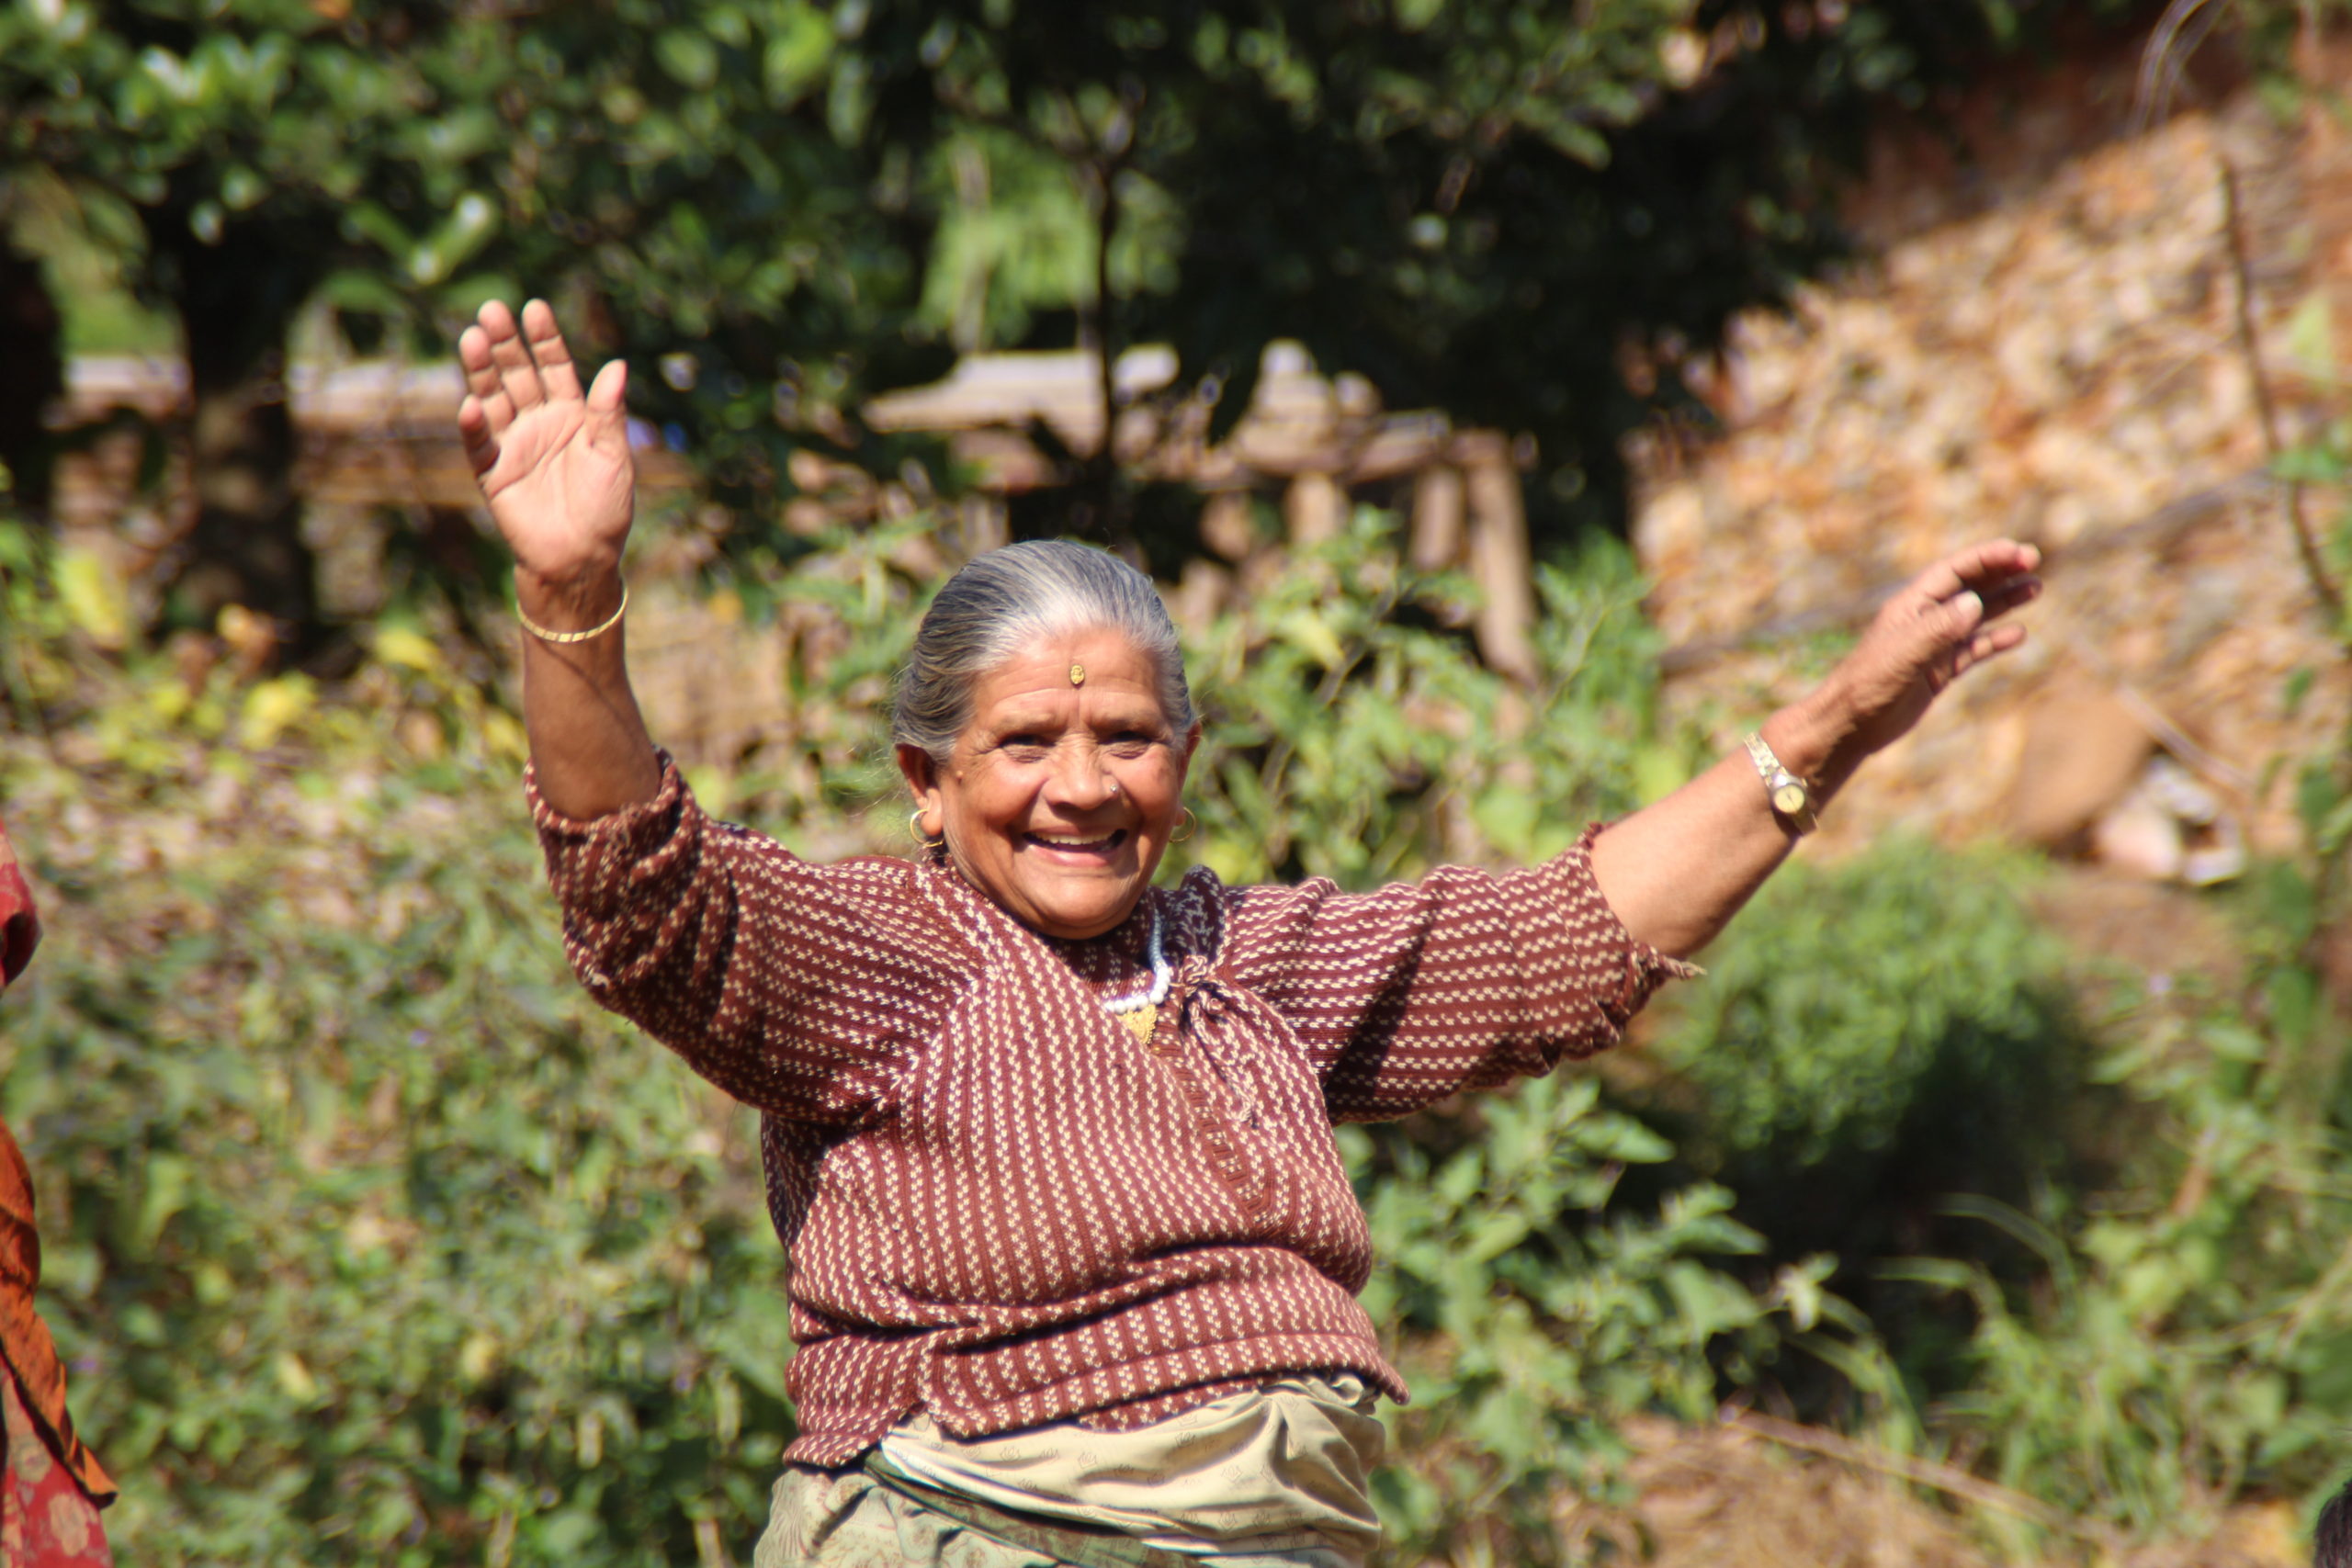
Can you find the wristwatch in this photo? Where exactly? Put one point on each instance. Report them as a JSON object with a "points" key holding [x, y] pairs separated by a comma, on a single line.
{"points": [[1792, 796]]}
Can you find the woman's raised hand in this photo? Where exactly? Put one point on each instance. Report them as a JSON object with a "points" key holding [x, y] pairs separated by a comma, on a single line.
{"points": [[1939, 626], [553, 462], [1675, 871]]}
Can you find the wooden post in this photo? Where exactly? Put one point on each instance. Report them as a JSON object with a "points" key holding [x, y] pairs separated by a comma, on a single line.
{"points": [[1437, 518], [1226, 525], [1315, 508], [1499, 555]]}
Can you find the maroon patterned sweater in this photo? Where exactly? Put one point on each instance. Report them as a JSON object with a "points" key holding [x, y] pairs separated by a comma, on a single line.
{"points": [[1000, 1206]]}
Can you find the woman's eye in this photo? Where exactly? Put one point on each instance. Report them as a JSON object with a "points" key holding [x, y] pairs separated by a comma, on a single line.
{"points": [[1129, 744]]}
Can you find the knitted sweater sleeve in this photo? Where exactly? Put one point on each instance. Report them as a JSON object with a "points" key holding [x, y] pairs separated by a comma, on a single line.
{"points": [[804, 992], [1462, 980]]}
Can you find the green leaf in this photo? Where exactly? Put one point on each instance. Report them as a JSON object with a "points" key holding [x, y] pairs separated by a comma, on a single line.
{"points": [[689, 55], [467, 227], [798, 54]]}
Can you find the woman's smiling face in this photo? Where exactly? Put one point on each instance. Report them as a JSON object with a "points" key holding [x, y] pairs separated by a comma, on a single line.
{"points": [[1059, 796]]}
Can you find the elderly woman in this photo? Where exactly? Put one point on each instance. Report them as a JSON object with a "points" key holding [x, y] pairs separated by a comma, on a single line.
{"points": [[1074, 1256]]}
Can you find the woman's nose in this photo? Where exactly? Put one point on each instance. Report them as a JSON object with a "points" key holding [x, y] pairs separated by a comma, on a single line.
{"points": [[1082, 779]]}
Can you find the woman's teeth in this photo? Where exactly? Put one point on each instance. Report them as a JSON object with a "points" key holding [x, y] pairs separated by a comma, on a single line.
{"points": [[1064, 841]]}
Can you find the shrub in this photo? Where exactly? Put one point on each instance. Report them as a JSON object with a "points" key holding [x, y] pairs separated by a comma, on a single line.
{"points": [[1871, 1035]]}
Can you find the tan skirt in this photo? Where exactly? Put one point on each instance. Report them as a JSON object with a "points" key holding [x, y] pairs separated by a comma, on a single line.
{"points": [[1274, 1478]]}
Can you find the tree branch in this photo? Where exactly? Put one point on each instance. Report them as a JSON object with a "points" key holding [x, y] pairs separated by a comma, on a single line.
{"points": [[2266, 407]]}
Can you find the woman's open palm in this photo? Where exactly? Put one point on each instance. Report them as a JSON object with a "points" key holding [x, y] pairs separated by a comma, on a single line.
{"points": [[553, 462]]}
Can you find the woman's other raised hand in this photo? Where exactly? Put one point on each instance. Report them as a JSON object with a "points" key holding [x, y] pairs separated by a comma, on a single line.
{"points": [[1937, 627], [553, 462], [554, 465], [1675, 871]]}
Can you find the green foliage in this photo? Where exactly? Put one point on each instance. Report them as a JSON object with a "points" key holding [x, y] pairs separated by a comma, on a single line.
{"points": [[2185, 1339], [1876, 1040], [369, 1236], [1351, 732], [1530, 1317], [1903, 996]]}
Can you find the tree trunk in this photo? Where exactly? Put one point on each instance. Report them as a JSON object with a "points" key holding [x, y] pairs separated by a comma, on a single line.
{"points": [[236, 301], [1100, 507], [31, 339]]}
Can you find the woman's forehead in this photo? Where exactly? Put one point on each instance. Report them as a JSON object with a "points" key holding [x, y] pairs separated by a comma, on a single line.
{"points": [[1064, 673]]}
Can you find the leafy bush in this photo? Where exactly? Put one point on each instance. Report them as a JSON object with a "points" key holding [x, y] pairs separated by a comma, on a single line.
{"points": [[371, 1238], [2184, 1337], [1876, 1033], [1529, 1314], [1350, 733]]}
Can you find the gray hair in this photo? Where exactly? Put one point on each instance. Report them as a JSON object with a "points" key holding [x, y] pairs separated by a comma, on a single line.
{"points": [[1003, 600]]}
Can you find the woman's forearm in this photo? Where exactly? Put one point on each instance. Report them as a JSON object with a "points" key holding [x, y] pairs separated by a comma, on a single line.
{"points": [[1676, 872], [590, 752], [554, 464]]}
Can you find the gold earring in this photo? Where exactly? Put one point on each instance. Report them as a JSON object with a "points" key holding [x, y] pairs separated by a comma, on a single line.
{"points": [[1185, 831], [914, 826]]}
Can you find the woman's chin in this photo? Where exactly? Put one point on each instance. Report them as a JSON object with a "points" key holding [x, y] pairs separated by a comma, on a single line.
{"points": [[1076, 913]]}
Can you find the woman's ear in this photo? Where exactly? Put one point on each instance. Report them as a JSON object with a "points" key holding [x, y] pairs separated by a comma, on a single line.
{"points": [[921, 775], [1192, 745]]}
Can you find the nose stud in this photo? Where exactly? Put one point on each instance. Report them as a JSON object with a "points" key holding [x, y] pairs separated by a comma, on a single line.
{"points": [[1114, 788]]}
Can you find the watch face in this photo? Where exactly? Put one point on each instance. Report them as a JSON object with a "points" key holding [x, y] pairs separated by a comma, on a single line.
{"points": [[1788, 799]]}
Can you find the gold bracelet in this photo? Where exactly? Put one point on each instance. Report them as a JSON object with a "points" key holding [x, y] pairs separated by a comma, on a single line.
{"points": [[544, 634]]}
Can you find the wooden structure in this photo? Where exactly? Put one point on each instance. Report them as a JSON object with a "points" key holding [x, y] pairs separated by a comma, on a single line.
{"points": [[382, 434]]}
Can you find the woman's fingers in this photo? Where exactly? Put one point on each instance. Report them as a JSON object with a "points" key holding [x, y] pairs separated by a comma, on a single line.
{"points": [[608, 407], [1983, 569], [473, 429], [482, 381], [516, 372], [1987, 643], [2000, 601], [558, 375], [1958, 597]]}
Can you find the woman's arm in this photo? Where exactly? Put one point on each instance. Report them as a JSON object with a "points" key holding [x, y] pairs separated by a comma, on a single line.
{"points": [[1676, 872], [554, 466]]}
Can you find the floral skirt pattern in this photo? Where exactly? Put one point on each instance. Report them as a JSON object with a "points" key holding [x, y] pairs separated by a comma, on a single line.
{"points": [[45, 1520]]}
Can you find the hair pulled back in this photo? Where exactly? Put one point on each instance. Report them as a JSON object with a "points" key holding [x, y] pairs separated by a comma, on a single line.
{"points": [[1004, 602]]}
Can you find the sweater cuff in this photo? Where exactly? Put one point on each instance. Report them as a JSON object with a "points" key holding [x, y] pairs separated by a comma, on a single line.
{"points": [[1643, 968], [597, 866]]}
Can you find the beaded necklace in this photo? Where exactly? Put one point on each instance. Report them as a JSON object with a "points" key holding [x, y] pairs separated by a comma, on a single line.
{"points": [[1139, 1009]]}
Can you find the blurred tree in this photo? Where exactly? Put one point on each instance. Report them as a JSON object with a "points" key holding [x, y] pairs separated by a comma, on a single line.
{"points": [[1523, 211], [30, 333], [265, 153], [227, 138]]}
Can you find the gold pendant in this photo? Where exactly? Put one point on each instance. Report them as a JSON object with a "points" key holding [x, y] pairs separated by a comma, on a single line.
{"points": [[1141, 1021]]}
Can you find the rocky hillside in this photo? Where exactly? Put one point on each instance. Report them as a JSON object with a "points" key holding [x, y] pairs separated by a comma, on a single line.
{"points": [[2070, 336]]}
